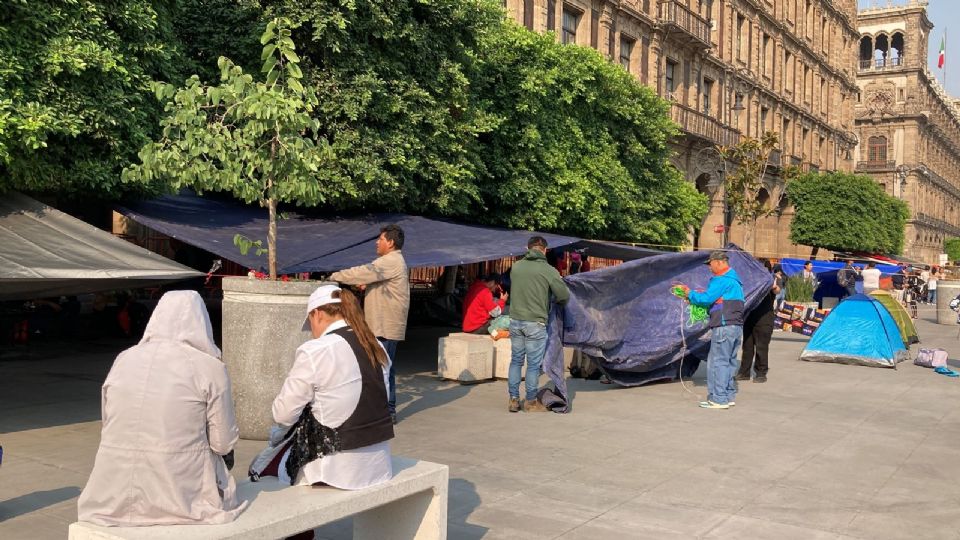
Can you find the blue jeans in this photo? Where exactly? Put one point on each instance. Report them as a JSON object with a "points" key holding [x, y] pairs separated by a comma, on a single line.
{"points": [[722, 363], [526, 338], [932, 296], [391, 346]]}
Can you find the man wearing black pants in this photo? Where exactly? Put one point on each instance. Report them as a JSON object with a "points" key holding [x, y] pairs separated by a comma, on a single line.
{"points": [[757, 332]]}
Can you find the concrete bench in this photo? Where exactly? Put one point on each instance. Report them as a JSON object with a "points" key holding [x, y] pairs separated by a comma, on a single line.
{"points": [[411, 505]]}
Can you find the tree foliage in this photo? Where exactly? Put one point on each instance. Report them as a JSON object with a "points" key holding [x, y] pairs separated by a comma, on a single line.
{"points": [[745, 175], [577, 145], [394, 77], [208, 29], [75, 104], [847, 212], [952, 248], [256, 140]]}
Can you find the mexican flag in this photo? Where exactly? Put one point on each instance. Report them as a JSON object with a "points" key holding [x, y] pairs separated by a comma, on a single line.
{"points": [[943, 52]]}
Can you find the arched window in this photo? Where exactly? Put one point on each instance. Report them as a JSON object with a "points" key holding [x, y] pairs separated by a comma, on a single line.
{"points": [[877, 149], [866, 52], [896, 50]]}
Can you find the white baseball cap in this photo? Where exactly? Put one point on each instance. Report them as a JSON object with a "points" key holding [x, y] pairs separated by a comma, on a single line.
{"points": [[320, 297]]}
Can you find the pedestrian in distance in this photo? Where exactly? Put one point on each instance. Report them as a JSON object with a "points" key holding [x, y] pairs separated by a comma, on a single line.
{"points": [[847, 278], [725, 303], [535, 285], [386, 301], [757, 333]]}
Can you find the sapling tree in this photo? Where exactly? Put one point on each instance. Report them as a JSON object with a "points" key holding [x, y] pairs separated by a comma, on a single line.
{"points": [[256, 139]]}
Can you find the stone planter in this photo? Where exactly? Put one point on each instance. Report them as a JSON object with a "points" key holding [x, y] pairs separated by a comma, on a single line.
{"points": [[947, 290], [261, 332]]}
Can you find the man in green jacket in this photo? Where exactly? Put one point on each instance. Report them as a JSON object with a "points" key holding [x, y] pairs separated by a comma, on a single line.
{"points": [[534, 285]]}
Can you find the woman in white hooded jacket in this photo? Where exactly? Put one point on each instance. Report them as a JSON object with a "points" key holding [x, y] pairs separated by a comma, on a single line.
{"points": [[168, 419]]}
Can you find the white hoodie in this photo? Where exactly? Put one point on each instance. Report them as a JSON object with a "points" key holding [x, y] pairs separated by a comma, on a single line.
{"points": [[167, 418]]}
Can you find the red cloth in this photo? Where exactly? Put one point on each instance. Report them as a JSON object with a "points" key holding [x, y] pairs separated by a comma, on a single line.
{"points": [[477, 306]]}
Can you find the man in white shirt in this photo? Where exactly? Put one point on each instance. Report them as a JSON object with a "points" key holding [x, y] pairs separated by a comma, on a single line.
{"points": [[871, 278]]}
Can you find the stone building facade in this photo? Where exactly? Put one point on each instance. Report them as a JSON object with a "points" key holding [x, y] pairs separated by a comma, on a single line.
{"points": [[909, 129], [731, 68]]}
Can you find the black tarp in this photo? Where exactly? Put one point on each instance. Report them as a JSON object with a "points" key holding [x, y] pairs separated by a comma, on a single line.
{"points": [[611, 250], [306, 244]]}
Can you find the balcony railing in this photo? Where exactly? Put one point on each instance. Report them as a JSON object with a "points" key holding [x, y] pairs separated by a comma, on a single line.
{"points": [[676, 15], [700, 125], [881, 64], [876, 165]]}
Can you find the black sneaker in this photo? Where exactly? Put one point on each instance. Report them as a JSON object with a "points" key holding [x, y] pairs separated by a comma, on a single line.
{"points": [[760, 379]]}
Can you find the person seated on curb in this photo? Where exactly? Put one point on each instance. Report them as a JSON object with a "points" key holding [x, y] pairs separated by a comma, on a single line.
{"points": [[335, 399], [167, 419], [480, 307]]}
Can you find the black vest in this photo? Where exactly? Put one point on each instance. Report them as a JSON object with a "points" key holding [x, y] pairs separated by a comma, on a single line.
{"points": [[370, 422]]}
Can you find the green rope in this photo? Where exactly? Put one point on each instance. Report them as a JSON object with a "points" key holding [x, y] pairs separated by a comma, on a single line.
{"points": [[697, 314]]}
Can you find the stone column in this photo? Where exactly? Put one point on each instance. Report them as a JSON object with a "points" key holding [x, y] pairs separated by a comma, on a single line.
{"points": [[947, 290]]}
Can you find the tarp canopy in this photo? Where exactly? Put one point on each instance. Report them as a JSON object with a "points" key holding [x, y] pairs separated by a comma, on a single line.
{"points": [[48, 253], [307, 244], [626, 317], [858, 331], [611, 250]]}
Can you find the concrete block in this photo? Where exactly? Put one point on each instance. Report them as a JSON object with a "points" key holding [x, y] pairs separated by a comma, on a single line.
{"points": [[502, 354], [501, 358], [465, 357], [413, 505]]}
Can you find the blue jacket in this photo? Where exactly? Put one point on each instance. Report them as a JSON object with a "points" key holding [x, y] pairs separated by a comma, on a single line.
{"points": [[724, 299]]}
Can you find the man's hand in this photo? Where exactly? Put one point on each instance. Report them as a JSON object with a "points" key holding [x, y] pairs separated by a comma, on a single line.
{"points": [[505, 296]]}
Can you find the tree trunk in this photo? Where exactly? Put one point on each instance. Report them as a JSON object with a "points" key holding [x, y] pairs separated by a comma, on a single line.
{"points": [[272, 238], [813, 254], [272, 206]]}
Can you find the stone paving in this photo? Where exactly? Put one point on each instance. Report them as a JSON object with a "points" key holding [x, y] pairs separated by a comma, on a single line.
{"points": [[821, 451]]}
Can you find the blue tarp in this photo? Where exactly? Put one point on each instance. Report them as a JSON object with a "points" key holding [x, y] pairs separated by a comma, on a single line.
{"points": [[324, 245], [826, 272], [858, 331], [627, 318]]}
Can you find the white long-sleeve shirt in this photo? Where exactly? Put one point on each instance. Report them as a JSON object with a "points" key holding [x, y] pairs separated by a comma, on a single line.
{"points": [[325, 375]]}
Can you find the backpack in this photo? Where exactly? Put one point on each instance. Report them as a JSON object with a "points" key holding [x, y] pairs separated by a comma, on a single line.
{"points": [[844, 279]]}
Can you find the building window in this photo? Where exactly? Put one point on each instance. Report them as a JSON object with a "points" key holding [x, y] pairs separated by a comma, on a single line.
{"points": [[552, 15], [669, 78], [707, 95], [626, 51], [877, 149], [528, 14], [764, 54], [741, 35], [571, 19], [764, 112]]}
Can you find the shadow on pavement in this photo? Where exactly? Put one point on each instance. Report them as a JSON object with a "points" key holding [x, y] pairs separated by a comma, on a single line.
{"points": [[24, 504]]}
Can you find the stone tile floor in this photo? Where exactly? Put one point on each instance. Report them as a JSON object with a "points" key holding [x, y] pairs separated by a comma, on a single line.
{"points": [[821, 451]]}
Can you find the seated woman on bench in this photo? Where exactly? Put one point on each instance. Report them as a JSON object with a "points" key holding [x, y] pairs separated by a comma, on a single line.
{"points": [[167, 420], [335, 397]]}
